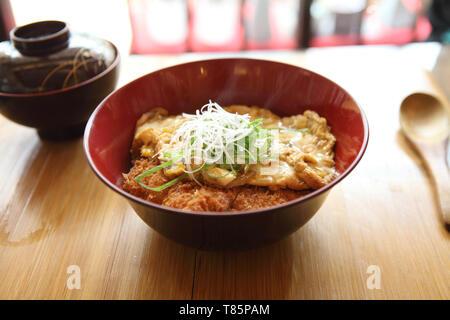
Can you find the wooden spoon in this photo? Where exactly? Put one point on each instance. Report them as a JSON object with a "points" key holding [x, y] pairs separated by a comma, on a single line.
{"points": [[426, 123]]}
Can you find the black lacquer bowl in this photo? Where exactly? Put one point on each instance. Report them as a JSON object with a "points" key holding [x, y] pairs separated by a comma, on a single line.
{"points": [[52, 79]]}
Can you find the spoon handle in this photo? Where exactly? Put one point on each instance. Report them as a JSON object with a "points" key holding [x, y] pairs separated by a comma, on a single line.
{"points": [[435, 155]]}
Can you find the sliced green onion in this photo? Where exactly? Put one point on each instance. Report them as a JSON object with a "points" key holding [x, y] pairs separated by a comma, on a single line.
{"points": [[171, 182], [144, 174], [256, 122], [170, 155], [154, 169], [168, 184]]}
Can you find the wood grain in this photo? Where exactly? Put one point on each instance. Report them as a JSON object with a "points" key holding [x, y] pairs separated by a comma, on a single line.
{"points": [[55, 213]]}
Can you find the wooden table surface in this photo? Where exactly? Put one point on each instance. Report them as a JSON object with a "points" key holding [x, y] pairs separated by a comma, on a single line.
{"points": [[380, 224]]}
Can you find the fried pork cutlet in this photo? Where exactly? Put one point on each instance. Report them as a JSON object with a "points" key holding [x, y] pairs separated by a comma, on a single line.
{"points": [[188, 195]]}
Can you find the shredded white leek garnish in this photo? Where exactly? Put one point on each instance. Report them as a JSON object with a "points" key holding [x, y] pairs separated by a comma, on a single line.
{"points": [[215, 136]]}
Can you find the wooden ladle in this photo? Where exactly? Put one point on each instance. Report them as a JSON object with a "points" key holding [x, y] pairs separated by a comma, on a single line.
{"points": [[425, 121]]}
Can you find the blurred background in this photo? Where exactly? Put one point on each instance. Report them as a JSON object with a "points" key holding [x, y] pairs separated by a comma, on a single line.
{"points": [[177, 26]]}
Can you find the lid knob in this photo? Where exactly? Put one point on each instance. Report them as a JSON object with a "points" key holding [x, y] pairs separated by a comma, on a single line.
{"points": [[40, 38]]}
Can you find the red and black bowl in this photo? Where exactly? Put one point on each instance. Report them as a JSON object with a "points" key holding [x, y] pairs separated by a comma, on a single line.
{"points": [[284, 89]]}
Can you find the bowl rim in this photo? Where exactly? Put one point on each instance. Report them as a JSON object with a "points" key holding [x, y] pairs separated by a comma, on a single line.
{"points": [[85, 82], [293, 202]]}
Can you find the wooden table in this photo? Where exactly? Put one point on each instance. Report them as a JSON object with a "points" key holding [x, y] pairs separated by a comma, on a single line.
{"points": [[54, 213]]}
